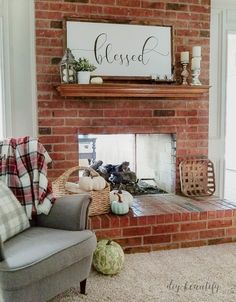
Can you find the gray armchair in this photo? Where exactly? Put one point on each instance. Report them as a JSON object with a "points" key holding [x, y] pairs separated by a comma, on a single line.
{"points": [[49, 257]]}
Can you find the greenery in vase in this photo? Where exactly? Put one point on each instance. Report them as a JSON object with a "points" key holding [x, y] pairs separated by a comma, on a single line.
{"points": [[83, 64]]}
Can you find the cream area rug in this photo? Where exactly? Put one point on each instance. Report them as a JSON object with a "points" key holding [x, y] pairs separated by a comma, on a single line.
{"points": [[203, 274]]}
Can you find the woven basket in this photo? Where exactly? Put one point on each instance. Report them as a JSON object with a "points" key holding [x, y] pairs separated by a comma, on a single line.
{"points": [[197, 177], [100, 199]]}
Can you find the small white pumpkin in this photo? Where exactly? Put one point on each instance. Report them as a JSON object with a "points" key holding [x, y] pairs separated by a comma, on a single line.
{"points": [[125, 196], [73, 187], [96, 80], [99, 183], [119, 207], [86, 183]]}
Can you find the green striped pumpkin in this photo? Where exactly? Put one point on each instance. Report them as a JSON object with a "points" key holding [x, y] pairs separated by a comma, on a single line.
{"points": [[108, 257]]}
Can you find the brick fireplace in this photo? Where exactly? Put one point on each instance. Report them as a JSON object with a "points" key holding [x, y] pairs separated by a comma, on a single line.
{"points": [[61, 119], [58, 127]]}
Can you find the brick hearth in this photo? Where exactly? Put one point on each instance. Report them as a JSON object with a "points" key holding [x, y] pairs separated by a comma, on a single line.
{"points": [[169, 221]]}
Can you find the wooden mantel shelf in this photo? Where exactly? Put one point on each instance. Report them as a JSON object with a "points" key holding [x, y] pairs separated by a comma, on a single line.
{"points": [[132, 90]]}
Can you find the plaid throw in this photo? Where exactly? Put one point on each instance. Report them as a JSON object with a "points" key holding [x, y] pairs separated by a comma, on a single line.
{"points": [[23, 168], [13, 219]]}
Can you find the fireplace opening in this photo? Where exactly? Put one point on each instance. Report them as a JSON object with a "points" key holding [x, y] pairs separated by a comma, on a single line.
{"points": [[139, 163]]}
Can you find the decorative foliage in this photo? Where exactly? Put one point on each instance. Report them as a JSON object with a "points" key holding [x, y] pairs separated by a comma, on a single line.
{"points": [[108, 257], [83, 64]]}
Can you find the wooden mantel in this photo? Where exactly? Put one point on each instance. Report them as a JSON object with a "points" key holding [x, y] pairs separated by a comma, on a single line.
{"points": [[132, 90]]}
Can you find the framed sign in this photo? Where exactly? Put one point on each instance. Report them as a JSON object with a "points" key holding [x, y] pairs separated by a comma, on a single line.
{"points": [[122, 49]]}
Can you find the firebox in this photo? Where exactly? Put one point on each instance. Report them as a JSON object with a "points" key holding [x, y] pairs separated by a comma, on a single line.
{"points": [[138, 163]]}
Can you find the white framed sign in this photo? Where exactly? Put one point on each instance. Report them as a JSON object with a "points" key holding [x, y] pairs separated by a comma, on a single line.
{"points": [[122, 49]]}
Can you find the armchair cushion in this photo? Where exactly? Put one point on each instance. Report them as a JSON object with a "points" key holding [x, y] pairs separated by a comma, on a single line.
{"points": [[40, 252], [13, 219]]}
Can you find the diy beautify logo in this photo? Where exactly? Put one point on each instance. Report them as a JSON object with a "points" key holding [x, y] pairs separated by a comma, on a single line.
{"points": [[213, 288]]}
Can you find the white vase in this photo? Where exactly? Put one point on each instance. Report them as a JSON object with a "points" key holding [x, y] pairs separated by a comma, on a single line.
{"points": [[83, 77]]}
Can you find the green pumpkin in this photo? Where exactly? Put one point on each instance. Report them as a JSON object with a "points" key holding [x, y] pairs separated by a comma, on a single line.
{"points": [[108, 257], [119, 207], [125, 196]]}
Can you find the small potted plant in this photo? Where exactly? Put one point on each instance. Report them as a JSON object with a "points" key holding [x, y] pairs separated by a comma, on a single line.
{"points": [[84, 68]]}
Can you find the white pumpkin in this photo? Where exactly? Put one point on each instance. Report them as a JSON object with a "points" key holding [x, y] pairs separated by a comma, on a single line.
{"points": [[88, 183], [125, 196], [119, 207], [73, 187], [99, 183]]}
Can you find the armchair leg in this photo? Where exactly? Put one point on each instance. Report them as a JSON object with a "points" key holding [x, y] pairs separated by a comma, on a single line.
{"points": [[83, 287]]}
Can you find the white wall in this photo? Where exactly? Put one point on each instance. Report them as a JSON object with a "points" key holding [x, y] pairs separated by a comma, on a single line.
{"points": [[19, 67], [223, 20], [1, 76]]}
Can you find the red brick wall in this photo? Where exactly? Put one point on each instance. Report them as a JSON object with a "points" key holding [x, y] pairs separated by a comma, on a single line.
{"points": [[166, 231], [60, 119]]}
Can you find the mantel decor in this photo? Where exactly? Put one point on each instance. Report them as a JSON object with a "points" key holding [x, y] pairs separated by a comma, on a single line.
{"points": [[114, 90], [122, 49], [196, 65], [67, 67], [184, 59]]}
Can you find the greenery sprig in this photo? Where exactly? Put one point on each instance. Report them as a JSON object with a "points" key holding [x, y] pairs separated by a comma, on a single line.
{"points": [[83, 64]]}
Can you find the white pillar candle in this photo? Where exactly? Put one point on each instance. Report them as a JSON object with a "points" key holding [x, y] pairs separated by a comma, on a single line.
{"points": [[197, 51], [196, 63], [184, 57]]}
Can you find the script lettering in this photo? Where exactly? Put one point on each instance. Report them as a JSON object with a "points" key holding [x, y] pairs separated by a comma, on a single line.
{"points": [[104, 52]]}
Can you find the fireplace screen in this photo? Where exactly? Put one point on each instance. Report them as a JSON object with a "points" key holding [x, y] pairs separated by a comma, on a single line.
{"points": [[138, 163]]}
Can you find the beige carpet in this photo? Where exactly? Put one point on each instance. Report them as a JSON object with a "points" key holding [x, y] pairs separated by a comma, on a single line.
{"points": [[184, 275]]}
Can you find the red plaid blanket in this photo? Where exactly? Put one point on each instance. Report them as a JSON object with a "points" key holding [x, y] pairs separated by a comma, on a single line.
{"points": [[23, 168]]}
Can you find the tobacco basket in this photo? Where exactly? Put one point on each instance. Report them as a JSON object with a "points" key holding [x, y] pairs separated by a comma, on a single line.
{"points": [[197, 177]]}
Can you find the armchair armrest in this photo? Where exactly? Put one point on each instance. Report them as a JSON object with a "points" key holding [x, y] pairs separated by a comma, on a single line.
{"points": [[68, 213], [1, 250]]}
